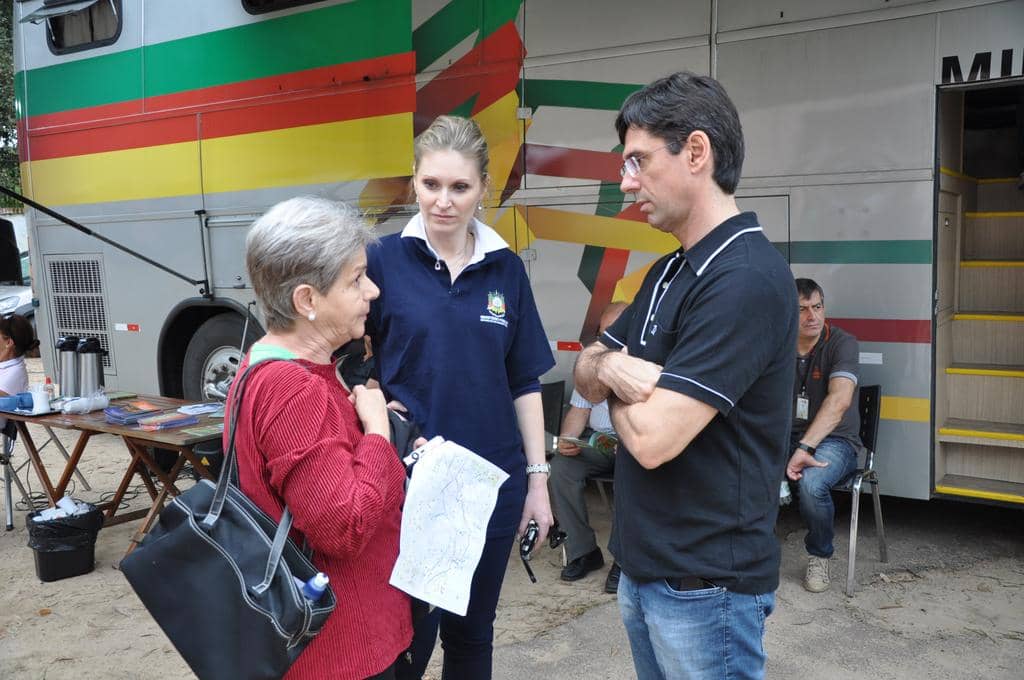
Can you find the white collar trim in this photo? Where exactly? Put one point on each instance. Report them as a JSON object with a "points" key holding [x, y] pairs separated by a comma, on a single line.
{"points": [[487, 240]]}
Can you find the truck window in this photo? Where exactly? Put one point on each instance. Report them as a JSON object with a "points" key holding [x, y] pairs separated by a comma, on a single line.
{"points": [[75, 25], [261, 6]]}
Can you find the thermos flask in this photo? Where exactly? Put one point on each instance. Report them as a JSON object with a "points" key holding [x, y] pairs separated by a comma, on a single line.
{"points": [[67, 371], [90, 366]]}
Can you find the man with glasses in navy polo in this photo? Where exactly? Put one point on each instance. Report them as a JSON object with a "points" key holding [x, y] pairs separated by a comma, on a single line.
{"points": [[698, 372]]}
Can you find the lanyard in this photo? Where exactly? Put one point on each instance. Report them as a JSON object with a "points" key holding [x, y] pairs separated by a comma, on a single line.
{"points": [[810, 365]]}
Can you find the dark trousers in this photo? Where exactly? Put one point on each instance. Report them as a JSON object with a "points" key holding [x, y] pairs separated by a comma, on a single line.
{"points": [[467, 640]]}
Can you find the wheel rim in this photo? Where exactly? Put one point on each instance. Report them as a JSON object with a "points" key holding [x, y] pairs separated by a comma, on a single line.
{"points": [[219, 370]]}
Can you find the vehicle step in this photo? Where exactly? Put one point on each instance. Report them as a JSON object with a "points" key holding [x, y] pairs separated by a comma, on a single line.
{"points": [[996, 339], [1000, 195], [993, 236], [961, 431], [964, 486], [992, 285], [987, 393]]}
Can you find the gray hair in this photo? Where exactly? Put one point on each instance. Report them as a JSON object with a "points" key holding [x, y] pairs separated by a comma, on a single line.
{"points": [[304, 240], [453, 133]]}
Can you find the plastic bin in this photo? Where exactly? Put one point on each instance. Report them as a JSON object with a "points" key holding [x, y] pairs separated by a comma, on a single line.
{"points": [[66, 546]]}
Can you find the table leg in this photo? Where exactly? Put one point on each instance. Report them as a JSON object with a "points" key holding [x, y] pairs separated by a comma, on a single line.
{"points": [[72, 463], [64, 452], [158, 504], [37, 463]]}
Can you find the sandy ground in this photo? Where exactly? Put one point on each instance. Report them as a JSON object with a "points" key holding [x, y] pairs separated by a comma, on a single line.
{"points": [[949, 604]]}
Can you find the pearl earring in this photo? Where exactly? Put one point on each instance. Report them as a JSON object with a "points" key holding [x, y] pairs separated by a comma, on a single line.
{"points": [[480, 208], [311, 316]]}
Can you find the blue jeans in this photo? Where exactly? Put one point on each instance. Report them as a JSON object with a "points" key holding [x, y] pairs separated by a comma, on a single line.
{"points": [[709, 634], [815, 488]]}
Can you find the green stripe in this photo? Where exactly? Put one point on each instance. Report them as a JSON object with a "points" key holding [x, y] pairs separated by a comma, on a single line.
{"points": [[455, 22], [856, 252], [349, 32], [590, 265], [577, 94]]}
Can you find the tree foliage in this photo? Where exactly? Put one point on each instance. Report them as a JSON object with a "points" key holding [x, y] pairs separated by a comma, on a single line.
{"points": [[10, 173]]}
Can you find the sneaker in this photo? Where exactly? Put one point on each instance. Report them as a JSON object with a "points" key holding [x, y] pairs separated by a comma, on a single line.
{"points": [[817, 580], [581, 566], [611, 583]]}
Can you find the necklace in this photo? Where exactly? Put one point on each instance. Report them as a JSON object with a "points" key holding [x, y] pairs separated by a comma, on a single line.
{"points": [[462, 259]]}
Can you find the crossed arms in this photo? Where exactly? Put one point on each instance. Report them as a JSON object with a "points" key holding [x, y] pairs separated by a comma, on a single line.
{"points": [[654, 423]]}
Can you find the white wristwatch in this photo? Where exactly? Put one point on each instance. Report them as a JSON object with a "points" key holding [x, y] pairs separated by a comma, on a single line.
{"points": [[537, 468]]}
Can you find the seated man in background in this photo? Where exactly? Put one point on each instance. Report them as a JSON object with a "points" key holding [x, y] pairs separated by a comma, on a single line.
{"points": [[826, 425], [570, 471]]}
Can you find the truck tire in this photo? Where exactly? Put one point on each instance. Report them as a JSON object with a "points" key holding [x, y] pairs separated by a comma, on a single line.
{"points": [[212, 357]]}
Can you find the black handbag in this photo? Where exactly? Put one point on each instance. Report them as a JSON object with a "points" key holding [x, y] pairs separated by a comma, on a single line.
{"points": [[216, 573]]}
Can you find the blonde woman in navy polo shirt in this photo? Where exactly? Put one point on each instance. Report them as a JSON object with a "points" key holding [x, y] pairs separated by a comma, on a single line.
{"points": [[459, 344]]}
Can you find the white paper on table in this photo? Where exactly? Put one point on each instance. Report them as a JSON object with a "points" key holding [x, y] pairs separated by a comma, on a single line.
{"points": [[448, 504]]}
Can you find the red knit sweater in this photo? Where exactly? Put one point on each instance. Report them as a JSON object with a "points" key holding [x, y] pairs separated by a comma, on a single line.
{"points": [[300, 443]]}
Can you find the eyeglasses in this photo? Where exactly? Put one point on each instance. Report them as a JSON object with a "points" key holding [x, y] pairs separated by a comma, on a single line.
{"points": [[556, 537], [634, 164]]}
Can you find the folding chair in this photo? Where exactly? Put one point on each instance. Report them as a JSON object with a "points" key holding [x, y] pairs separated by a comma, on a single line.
{"points": [[869, 404], [9, 434]]}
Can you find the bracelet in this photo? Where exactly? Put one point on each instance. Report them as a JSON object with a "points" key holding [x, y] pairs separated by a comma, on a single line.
{"points": [[806, 447], [538, 468]]}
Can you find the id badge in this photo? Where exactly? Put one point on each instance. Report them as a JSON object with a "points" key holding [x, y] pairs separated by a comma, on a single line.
{"points": [[802, 405]]}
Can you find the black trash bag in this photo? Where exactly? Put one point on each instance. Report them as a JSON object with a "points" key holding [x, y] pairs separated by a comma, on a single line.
{"points": [[65, 533]]}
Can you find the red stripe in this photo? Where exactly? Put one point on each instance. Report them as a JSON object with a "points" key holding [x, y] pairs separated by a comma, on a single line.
{"points": [[350, 73], [612, 269], [487, 72], [887, 330], [569, 346], [261, 117], [560, 161], [177, 122]]}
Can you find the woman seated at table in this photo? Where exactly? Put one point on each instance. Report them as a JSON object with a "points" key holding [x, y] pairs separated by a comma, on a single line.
{"points": [[305, 440], [16, 338]]}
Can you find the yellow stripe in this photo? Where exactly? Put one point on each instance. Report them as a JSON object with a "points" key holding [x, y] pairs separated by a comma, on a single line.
{"points": [[131, 174], [991, 263], [984, 434], [504, 137], [629, 285], [913, 409], [991, 372], [313, 154], [958, 175], [974, 493], [1004, 213], [988, 317], [998, 180], [608, 232]]}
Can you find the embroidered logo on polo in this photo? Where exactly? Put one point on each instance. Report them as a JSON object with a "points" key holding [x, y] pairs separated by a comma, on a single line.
{"points": [[495, 309]]}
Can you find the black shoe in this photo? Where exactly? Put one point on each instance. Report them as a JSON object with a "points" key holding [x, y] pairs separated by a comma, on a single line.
{"points": [[581, 566], [611, 584]]}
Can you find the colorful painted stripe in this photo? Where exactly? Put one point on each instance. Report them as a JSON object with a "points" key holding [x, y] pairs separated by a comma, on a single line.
{"points": [[911, 409], [576, 94], [997, 213], [857, 252], [372, 147], [560, 161], [887, 330], [456, 21], [348, 32], [187, 126]]}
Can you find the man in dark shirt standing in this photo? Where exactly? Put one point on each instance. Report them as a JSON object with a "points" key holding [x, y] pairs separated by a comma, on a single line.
{"points": [[826, 431], [698, 373]]}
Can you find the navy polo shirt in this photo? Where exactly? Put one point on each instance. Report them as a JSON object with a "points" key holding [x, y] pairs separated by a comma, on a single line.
{"points": [[458, 354], [721, 319]]}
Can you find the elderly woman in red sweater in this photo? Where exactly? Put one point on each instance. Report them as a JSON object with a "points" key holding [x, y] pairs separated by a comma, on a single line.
{"points": [[307, 441]]}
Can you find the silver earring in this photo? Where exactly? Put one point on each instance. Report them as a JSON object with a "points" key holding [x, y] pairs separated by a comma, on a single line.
{"points": [[311, 316], [480, 208]]}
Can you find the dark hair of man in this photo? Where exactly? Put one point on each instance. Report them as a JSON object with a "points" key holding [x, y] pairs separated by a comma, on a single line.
{"points": [[676, 105], [805, 288]]}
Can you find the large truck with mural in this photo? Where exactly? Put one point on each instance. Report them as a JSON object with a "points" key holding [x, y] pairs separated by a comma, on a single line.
{"points": [[884, 143]]}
